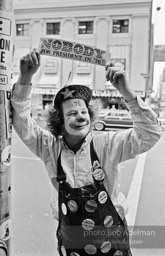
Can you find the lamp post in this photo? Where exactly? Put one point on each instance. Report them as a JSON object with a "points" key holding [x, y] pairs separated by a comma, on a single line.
{"points": [[6, 57]]}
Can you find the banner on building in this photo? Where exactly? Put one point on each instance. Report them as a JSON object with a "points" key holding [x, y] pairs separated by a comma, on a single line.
{"points": [[73, 51], [6, 49]]}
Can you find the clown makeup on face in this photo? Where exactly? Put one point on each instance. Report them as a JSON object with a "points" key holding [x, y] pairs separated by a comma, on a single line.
{"points": [[76, 118]]}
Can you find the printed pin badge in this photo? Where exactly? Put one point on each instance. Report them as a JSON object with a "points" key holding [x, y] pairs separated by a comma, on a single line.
{"points": [[5, 230], [6, 156]]}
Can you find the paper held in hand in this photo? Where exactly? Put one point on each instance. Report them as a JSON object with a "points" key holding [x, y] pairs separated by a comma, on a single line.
{"points": [[72, 50]]}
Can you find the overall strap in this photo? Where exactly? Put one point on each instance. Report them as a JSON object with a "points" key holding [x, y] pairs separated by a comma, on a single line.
{"points": [[97, 171], [61, 176], [93, 154]]}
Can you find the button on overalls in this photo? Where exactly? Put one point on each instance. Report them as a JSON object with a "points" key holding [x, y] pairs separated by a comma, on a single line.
{"points": [[88, 221]]}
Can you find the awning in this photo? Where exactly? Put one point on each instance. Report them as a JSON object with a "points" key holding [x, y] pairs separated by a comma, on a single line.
{"points": [[48, 91], [108, 93]]}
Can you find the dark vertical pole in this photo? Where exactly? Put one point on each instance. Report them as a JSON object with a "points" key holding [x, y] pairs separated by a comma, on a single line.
{"points": [[6, 59]]}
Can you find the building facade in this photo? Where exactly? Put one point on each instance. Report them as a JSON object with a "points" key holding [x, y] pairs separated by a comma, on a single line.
{"points": [[160, 96], [120, 27]]}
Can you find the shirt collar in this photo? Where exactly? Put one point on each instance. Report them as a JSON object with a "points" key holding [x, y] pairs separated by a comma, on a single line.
{"points": [[84, 144]]}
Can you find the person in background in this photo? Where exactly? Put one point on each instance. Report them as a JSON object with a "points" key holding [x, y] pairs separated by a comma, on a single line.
{"points": [[83, 166]]}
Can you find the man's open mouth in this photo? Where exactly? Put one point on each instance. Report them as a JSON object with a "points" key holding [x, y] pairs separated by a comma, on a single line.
{"points": [[79, 127]]}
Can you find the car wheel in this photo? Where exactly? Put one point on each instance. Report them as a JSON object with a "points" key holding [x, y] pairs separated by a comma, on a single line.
{"points": [[99, 126]]}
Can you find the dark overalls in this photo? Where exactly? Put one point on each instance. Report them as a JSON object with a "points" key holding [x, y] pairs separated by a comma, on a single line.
{"points": [[88, 221]]}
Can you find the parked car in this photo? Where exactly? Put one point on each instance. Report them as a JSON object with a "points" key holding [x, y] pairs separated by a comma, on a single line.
{"points": [[113, 119]]}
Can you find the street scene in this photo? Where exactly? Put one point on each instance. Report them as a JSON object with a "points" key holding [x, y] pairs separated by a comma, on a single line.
{"points": [[91, 72]]}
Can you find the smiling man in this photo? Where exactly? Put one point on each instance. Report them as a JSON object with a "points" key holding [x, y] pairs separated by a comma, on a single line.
{"points": [[83, 167], [73, 101], [76, 122]]}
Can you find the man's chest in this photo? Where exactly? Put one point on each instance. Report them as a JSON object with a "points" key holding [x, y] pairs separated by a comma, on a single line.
{"points": [[78, 168]]}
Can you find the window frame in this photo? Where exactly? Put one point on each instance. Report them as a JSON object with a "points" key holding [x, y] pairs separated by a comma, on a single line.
{"points": [[53, 22], [121, 26], [86, 32], [23, 25], [51, 65]]}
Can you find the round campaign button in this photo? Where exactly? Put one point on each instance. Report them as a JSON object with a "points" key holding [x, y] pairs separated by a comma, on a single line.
{"points": [[64, 209], [108, 221], [91, 206], [5, 230], [98, 174], [74, 254], [6, 156], [118, 253], [105, 247], [90, 249], [102, 197], [72, 205], [88, 224], [63, 251]]}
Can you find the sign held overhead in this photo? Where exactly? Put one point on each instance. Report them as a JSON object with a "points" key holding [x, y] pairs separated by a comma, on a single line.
{"points": [[72, 50]]}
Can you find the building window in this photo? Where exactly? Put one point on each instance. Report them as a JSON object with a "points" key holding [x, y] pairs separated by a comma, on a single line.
{"points": [[120, 26], [53, 28], [83, 67], [47, 100], [85, 27], [22, 29], [50, 66]]}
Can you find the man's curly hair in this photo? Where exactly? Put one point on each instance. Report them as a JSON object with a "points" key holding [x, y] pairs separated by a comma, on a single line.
{"points": [[55, 120]]}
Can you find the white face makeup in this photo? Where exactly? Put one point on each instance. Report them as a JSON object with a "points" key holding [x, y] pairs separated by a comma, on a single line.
{"points": [[76, 118]]}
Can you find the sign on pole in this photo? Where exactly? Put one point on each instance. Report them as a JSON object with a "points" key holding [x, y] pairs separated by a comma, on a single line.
{"points": [[6, 59]]}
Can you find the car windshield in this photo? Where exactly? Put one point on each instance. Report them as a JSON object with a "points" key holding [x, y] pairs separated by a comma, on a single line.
{"points": [[118, 114]]}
